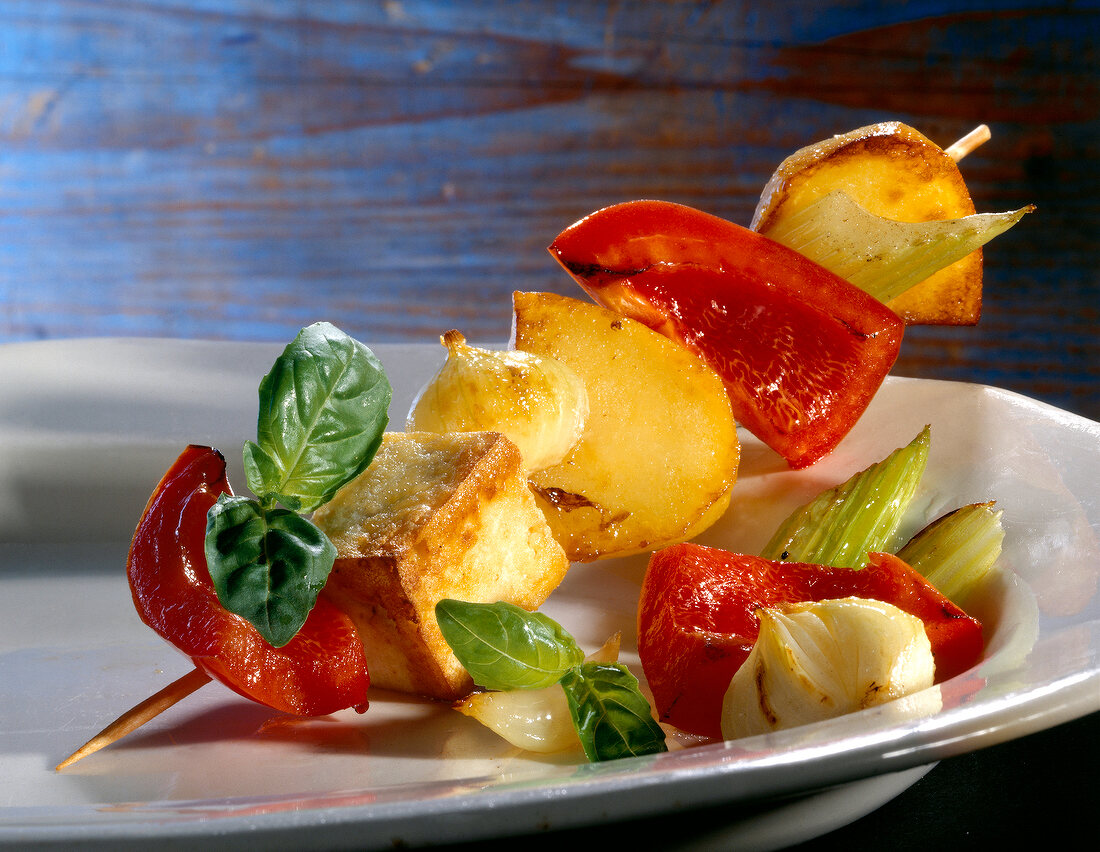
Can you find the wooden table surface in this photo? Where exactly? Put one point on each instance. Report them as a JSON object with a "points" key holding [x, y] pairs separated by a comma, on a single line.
{"points": [[236, 169]]}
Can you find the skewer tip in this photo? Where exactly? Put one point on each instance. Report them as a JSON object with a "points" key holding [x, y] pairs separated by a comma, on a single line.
{"points": [[974, 139], [138, 715]]}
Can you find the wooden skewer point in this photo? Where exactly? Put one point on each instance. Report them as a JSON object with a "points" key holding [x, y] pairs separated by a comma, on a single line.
{"points": [[137, 716], [974, 139]]}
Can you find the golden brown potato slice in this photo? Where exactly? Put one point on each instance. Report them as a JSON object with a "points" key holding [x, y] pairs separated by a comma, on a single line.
{"points": [[893, 171], [659, 451]]}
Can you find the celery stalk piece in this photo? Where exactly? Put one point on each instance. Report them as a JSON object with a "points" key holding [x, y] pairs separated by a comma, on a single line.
{"points": [[957, 551], [841, 526], [881, 256]]}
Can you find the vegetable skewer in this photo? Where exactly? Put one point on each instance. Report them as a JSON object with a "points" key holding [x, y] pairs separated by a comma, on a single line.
{"points": [[179, 689]]}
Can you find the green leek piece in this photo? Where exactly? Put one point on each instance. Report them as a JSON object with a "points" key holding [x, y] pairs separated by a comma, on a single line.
{"points": [[957, 551], [882, 256], [841, 526]]}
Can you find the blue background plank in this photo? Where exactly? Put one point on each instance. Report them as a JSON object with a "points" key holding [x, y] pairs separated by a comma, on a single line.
{"points": [[239, 169]]}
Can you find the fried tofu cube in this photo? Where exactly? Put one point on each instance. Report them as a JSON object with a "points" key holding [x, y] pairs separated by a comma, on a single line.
{"points": [[434, 517]]}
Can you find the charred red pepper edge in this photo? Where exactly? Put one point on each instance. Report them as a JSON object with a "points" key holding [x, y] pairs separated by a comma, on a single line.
{"points": [[322, 670], [697, 620]]}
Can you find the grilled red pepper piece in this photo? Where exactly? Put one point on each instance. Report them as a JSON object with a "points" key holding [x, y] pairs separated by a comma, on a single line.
{"points": [[697, 620], [801, 351], [321, 670]]}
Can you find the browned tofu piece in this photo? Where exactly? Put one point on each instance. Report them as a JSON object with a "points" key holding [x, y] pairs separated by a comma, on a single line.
{"points": [[434, 517]]}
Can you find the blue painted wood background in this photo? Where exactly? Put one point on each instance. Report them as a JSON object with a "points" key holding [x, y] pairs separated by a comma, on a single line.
{"points": [[237, 168]]}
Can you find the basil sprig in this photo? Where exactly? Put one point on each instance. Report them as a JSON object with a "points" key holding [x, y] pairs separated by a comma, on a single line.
{"points": [[268, 564], [323, 409], [612, 717], [505, 647]]}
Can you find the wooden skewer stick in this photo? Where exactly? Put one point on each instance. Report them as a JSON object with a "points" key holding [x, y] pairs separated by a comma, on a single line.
{"points": [[974, 139], [137, 716]]}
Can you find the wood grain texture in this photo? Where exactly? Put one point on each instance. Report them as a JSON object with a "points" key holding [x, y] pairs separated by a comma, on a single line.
{"points": [[237, 169]]}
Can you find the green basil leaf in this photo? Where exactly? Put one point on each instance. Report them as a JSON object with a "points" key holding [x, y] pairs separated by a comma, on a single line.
{"points": [[323, 409], [503, 646], [612, 717], [268, 565]]}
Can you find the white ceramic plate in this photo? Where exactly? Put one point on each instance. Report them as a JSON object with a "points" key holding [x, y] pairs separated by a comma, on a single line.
{"points": [[88, 427]]}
